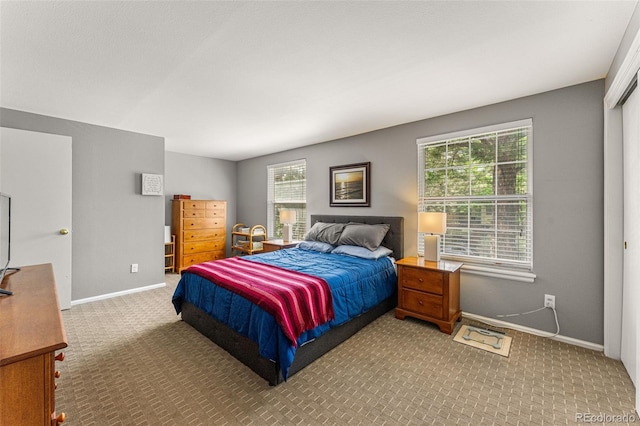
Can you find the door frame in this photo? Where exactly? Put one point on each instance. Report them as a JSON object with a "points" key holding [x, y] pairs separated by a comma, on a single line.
{"points": [[614, 203]]}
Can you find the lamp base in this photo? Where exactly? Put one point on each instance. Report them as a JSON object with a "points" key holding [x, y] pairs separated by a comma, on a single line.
{"points": [[287, 232], [432, 247]]}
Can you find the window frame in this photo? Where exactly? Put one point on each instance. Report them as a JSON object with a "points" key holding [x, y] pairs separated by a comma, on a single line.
{"points": [[273, 220], [490, 266]]}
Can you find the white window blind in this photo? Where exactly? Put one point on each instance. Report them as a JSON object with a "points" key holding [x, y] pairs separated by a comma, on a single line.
{"points": [[287, 190], [482, 179]]}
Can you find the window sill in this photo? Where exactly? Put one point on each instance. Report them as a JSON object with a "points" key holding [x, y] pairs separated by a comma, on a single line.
{"points": [[506, 274]]}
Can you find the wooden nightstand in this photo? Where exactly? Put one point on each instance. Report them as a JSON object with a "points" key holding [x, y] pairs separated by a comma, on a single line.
{"points": [[429, 291], [273, 245]]}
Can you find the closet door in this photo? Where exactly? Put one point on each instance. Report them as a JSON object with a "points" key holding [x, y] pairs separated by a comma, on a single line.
{"points": [[631, 272]]}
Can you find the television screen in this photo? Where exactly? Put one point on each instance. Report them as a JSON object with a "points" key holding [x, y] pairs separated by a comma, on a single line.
{"points": [[5, 239], [5, 230]]}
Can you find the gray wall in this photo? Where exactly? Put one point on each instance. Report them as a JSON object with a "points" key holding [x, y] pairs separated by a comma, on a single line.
{"points": [[113, 224], [567, 209], [203, 178]]}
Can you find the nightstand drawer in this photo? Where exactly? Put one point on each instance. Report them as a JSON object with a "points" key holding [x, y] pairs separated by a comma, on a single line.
{"points": [[422, 303], [422, 279]]}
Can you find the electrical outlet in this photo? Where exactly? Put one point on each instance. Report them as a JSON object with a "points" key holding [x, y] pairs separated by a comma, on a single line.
{"points": [[549, 301], [134, 268]]}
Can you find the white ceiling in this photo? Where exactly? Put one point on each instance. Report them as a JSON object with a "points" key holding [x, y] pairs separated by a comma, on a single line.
{"points": [[235, 80]]}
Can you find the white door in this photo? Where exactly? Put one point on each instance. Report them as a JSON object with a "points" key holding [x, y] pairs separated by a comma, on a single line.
{"points": [[36, 171], [631, 272]]}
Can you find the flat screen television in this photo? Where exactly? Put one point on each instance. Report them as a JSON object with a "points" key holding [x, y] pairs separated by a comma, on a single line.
{"points": [[5, 238]]}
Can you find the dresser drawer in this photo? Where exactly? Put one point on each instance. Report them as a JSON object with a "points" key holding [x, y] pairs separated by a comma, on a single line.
{"points": [[214, 213], [422, 303], [203, 246], [195, 204], [216, 205], [422, 279], [189, 213], [203, 223], [201, 257], [204, 234]]}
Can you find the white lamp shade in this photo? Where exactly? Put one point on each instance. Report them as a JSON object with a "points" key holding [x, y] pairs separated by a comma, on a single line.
{"points": [[432, 222], [288, 216]]}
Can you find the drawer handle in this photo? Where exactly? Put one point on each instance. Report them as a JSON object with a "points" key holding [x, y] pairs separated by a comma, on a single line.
{"points": [[61, 418], [57, 374], [60, 356]]}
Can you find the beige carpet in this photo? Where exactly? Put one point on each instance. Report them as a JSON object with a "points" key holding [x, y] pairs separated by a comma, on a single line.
{"points": [[131, 361]]}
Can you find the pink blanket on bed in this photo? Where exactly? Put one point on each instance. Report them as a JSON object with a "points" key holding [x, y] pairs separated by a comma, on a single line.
{"points": [[297, 301]]}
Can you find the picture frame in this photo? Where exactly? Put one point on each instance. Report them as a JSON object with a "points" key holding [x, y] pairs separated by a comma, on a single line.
{"points": [[350, 185], [152, 184]]}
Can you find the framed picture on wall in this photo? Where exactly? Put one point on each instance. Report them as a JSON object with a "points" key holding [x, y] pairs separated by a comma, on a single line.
{"points": [[349, 185], [152, 184]]}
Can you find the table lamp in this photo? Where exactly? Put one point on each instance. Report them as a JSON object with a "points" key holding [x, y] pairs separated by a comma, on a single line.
{"points": [[287, 218], [433, 224]]}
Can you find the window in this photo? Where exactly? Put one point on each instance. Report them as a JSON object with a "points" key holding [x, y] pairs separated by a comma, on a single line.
{"points": [[287, 190], [482, 179]]}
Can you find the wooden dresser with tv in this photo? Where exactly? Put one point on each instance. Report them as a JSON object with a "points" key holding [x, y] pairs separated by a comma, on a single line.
{"points": [[31, 331]]}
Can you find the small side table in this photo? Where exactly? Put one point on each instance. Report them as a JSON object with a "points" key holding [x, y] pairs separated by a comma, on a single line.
{"points": [[429, 291], [170, 255], [273, 245]]}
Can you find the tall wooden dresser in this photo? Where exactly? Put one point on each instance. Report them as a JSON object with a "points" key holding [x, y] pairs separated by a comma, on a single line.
{"points": [[31, 331], [200, 230]]}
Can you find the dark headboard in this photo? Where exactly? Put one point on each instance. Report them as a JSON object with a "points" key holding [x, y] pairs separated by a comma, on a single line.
{"points": [[394, 239]]}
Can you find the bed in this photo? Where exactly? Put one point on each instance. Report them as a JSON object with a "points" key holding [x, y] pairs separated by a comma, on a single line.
{"points": [[241, 330]]}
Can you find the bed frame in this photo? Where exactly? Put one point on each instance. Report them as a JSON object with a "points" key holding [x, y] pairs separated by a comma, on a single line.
{"points": [[246, 351]]}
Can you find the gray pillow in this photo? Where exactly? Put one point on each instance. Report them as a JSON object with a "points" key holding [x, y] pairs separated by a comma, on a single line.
{"points": [[315, 246], [365, 253], [325, 232], [369, 236]]}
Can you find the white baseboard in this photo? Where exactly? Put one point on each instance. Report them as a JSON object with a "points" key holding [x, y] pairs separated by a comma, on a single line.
{"points": [[559, 338], [116, 294]]}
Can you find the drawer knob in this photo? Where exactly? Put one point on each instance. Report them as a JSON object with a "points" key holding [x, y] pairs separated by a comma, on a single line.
{"points": [[61, 418], [420, 280], [60, 356], [420, 302], [57, 374]]}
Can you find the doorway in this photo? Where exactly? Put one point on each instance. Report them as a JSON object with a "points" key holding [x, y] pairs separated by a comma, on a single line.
{"points": [[35, 169]]}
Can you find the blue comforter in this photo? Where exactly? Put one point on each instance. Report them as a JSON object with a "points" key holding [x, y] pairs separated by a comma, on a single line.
{"points": [[356, 285]]}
